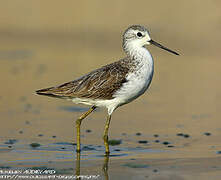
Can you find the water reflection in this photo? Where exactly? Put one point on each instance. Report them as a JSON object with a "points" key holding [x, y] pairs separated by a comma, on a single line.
{"points": [[78, 166], [105, 166]]}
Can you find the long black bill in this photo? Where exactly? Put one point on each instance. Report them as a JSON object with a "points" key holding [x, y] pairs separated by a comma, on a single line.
{"points": [[160, 46]]}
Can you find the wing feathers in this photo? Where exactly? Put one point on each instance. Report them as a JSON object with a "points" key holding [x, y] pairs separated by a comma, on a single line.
{"points": [[99, 84]]}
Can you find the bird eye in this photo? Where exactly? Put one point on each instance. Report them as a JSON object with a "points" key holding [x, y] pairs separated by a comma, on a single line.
{"points": [[139, 34]]}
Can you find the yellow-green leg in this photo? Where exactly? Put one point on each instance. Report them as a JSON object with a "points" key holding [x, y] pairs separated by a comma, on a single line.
{"points": [[105, 137], [78, 126]]}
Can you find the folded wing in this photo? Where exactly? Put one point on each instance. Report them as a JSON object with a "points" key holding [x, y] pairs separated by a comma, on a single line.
{"points": [[99, 84]]}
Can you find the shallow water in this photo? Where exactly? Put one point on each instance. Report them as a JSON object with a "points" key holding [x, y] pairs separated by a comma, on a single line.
{"points": [[128, 160]]}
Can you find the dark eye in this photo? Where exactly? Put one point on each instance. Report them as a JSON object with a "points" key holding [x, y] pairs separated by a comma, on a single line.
{"points": [[139, 34]]}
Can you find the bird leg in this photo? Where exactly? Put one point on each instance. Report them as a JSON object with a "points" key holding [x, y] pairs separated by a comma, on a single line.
{"points": [[78, 125], [105, 137]]}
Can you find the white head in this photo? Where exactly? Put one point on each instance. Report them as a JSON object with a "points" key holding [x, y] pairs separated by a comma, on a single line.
{"points": [[138, 36]]}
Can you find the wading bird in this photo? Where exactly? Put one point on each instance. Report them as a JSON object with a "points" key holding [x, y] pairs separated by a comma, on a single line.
{"points": [[115, 84]]}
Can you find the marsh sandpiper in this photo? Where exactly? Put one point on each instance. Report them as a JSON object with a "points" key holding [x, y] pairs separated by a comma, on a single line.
{"points": [[115, 84]]}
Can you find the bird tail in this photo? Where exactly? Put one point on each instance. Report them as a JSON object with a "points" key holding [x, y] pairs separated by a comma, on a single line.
{"points": [[46, 92], [51, 92]]}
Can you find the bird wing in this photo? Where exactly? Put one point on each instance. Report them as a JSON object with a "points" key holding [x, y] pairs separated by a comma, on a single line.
{"points": [[99, 84]]}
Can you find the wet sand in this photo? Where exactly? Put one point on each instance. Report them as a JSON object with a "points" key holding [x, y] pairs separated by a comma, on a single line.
{"points": [[171, 132]]}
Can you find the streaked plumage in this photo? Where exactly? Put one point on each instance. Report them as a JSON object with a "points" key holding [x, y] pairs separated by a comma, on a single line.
{"points": [[98, 84]]}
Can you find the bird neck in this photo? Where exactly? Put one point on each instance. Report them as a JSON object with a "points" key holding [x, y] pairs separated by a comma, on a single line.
{"points": [[138, 54]]}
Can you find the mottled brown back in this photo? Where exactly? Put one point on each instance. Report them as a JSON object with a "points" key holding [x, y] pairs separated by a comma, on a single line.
{"points": [[99, 84]]}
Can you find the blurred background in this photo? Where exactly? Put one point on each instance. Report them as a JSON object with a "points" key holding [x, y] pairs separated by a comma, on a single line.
{"points": [[46, 43]]}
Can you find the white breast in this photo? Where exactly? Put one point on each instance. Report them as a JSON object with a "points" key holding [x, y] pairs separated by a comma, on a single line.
{"points": [[139, 80]]}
